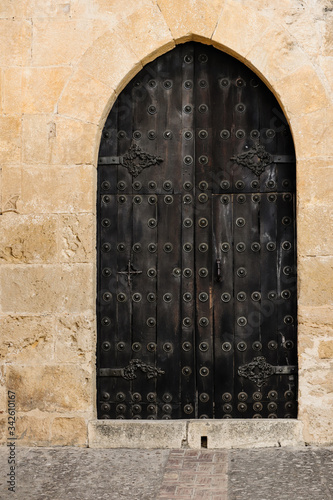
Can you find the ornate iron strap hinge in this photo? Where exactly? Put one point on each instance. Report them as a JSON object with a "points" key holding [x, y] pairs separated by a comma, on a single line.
{"points": [[135, 160], [258, 370], [128, 373], [257, 159]]}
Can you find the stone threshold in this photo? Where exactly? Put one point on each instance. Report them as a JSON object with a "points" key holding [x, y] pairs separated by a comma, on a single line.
{"points": [[194, 434]]}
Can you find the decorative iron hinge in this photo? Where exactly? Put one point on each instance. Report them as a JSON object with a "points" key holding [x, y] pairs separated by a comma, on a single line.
{"points": [[257, 159], [128, 373], [258, 370], [135, 160]]}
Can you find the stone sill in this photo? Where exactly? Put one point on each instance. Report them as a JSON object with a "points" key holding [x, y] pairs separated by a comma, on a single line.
{"points": [[189, 433]]}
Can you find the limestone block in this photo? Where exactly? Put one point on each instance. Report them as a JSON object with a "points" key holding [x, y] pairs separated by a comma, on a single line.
{"points": [[110, 60], [26, 339], [149, 33], [33, 430], [318, 425], [50, 388], [277, 55], [326, 349], [317, 321], [11, 188], [315, 281], [58, 41], [75, 339], [326, 64], [327, 46], [314, 181], [38, 134], [77, 233], [190, 17], [304, 26], [27, 239], [3, 430], [68, 431], [86, 98], [227, 32], [74, 142], [15, 41], [33, 90], [317, 383], [136, 434], [58, 189], [312, 96], [10, 139], [315, 230], [244, 433], [310, 134], [47, 288], [3, 391]]}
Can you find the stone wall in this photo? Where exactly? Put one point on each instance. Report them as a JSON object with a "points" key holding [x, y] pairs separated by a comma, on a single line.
{"points": [[62, 63]]}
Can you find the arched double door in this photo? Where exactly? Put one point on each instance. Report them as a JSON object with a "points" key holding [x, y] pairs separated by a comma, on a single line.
{"points": [[196, 303]]}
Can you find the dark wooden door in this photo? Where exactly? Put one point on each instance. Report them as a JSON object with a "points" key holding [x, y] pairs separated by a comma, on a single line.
{"points": [[196, 303]]}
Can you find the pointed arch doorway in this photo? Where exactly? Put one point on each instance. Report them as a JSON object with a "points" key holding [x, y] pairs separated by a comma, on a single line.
{"points": [[196, 244]]}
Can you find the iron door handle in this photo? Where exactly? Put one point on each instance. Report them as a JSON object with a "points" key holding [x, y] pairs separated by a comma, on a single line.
{"points": [[218, 270]]}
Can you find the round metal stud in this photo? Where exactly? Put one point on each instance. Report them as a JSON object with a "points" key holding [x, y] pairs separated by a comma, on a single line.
{"points": [[136, 396], [121, 297], [204, 397], [186, 370], [242, 396], [187, 247], [203, 222], [257, 415], [271, 246], [168, 199], [203, 346], [225, 184], [151, 272], [270, 133], [203, 108], [187, 322], [272, 295], [136, 297], [168, 247], [240, 82], [106, 247], [107, 296], [225, 199], [203, 160], [287, 270], [187, 272], [151, 347], [187, 109], [203, 58], [225, 297], [167, 297], [241, 272], [187, 199], [152, 408], [241, 198], [272, 406], [188, 186], [167, 185], [288, 320], [227, 408], [106, 272], [188, 58], [121, 346], [242, 346], [152, 84], [289, 344], [203, 247], [137, 185], [203, 185], [225, 247], [289, 406], [105, 185], [122, 199], [241, 296], [188, 135], [203, 296], [203, 272], [151, 135], [240, 108], [151, 297], [188, 84], [152, 199], [121, 134], [151, 322], [257, 396], [272, 345], [254, 134], [257, 407], [287, 197], [202, 84], [271, 198], [137, 199], [152, 185], [167, 84], [177, 271], [271, 184], [286, 245], [120, 396], [136, 347], [166, 417], [187, 346], [106, 396], [255, 198], [151, 397], [255, 184], [188, 160], [120, 408], [137, 135], [225, 134], [152, 223], [240, 222], [167, 397], [272, 395], [106, 346], [240, 134], [188, 222], [152, 109], [106, 199], [255, 247], [226, 346], [240, 247], [224, 82], [137, 409], [257, 346], [286, 221], [106, 321], [187, 297], [203, 321], [203, 134], [167, 347], [188, 409], [137, 247], [256, 296], [203, 198], [289, 395], [242, 407], [204, 372]]}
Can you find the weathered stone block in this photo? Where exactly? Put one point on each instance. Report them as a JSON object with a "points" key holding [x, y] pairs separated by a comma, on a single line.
{"points": [[136, 434], [315, 281], [318, 425], [10, 139], [11, 178], [58, 189], [310, 134], [77, 233], [3, 430], [27, 239], [314, 181], [27, 339], [38, 133], [314, 234], [75, 340], [326, 350], [43, 289], [70, 431], [33, 430], [50, 388], [15, 42], [86, 98]]}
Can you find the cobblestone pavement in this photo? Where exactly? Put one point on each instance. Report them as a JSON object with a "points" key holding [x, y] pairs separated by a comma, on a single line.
{"points": [[93, 474]]}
